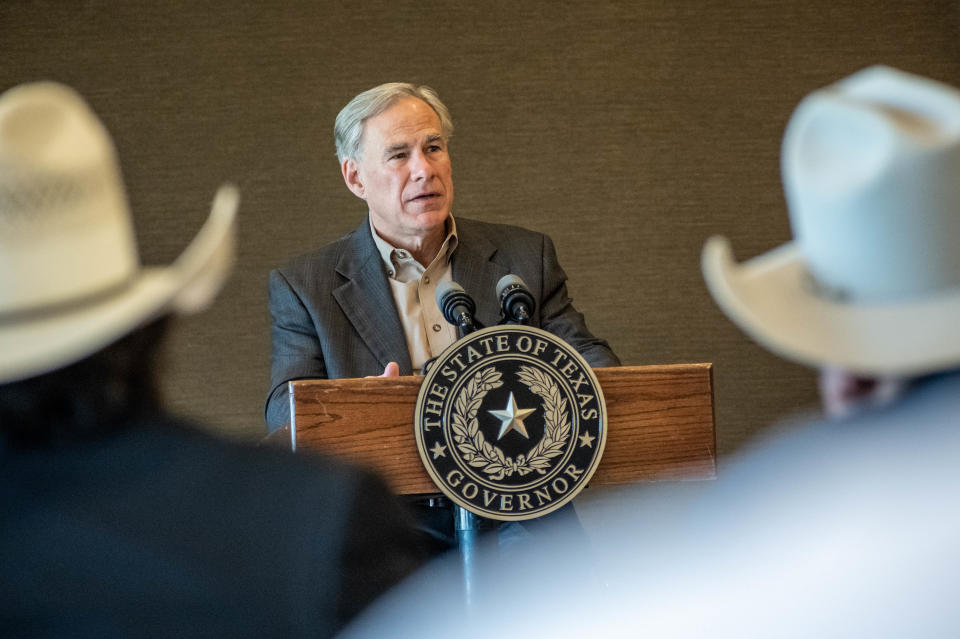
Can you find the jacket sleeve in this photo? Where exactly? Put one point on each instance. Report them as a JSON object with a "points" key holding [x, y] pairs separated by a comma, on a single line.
{"points": [[296, 349]]}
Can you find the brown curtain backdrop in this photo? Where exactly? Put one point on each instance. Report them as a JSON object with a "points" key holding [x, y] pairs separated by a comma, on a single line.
{"points": [[630, 131]]}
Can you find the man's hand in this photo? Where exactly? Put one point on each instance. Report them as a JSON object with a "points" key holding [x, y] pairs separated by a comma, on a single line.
{"points": [[392, 370]]}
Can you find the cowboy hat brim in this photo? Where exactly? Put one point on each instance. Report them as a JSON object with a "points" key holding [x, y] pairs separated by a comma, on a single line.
{"points": [[773, 299], [44, 341]]}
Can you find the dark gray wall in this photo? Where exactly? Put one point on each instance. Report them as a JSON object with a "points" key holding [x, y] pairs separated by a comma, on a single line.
{"points": [[630, 131]]}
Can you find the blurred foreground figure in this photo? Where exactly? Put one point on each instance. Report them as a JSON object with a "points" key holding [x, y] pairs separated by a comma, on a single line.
{"points": [[839, 528], [118, 520]]}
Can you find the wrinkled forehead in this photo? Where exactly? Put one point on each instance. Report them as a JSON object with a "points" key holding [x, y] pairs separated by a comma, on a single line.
{"points": [[408, 120]]}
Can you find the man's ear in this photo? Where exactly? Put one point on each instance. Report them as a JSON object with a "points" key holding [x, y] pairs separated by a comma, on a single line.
{"points": [[351, 176]]}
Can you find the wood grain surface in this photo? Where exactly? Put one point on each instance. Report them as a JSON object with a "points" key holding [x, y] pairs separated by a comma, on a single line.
{"points": [[660, 424]]}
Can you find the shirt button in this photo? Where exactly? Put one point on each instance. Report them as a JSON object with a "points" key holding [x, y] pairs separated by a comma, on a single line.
{"points": [[436, 328], [426, 279], [402, 254]]}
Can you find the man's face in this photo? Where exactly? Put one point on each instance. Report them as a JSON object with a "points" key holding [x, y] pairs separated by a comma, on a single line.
{"points": [[404, 172]]}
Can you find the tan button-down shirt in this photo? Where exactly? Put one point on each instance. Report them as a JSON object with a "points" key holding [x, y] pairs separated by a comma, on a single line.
{"points": [[413, 286]]}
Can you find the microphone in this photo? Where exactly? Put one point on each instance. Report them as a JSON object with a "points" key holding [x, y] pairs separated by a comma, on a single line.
{"points": [[456, 306], [516, 300]]}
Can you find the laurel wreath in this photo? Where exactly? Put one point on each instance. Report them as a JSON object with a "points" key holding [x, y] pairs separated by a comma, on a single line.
{"points": [[479, 453]]}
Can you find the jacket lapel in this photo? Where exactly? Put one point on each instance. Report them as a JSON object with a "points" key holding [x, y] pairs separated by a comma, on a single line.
{"points": [[476, 269], [367, 302]]}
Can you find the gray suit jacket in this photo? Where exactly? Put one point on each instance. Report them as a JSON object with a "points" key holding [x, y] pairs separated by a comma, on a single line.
{"points": [[334, 315]]}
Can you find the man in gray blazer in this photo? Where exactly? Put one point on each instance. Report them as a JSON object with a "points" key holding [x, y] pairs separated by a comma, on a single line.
{"points": [[364, 304]]}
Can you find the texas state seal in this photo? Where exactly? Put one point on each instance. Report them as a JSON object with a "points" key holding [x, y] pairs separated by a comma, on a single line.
{"points": [[510, 422]]}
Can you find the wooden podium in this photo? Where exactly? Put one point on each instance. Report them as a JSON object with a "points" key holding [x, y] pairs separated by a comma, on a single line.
{"points": [[659, 418]]}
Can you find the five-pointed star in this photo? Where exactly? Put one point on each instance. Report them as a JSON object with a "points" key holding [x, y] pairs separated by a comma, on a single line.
{"points": [[511, 418], [587, 439], [438, 450]]}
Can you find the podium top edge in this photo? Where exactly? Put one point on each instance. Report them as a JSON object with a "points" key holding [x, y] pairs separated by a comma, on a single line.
{"points": [[406, 379]]}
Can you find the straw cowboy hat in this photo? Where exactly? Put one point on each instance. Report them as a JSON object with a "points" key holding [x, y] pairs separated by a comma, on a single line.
{"points": [[871, 281], [70, 278]]}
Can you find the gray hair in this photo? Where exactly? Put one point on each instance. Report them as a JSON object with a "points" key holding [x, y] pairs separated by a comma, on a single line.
{"points": [[348, 128]]}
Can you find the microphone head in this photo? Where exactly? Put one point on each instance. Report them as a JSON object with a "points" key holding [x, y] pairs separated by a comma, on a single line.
{"points": [[516, 300], [508, 282], [450, 295], [445, 290]]}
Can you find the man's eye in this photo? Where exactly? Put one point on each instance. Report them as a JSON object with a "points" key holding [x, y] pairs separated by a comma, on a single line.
{"points": [[434, 148], [398, 156]]}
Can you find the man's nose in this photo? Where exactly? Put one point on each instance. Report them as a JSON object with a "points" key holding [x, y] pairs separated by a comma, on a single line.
{"points": [[420, 166]]}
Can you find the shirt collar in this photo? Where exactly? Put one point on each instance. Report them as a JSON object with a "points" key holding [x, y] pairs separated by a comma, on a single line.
{"points": [[390, 255]]}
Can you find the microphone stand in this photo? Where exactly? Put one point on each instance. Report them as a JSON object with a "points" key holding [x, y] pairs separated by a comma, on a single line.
{"points": [[458, 308], [466, 525]]}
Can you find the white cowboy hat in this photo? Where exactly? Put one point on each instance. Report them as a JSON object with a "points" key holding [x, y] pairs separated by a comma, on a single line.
{"points": [[70, 278], [871, 281]]}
